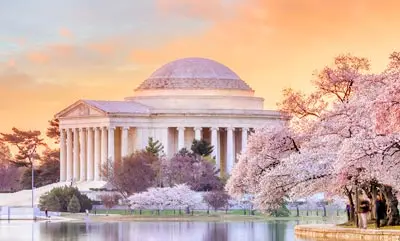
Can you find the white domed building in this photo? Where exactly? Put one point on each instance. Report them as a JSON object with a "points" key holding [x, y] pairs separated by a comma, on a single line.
{"points": [[191, 98]]}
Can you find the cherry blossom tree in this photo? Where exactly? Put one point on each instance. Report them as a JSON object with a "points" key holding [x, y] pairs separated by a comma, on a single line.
{"points": [[330, 142], [216, 199], [109, 200], [193, 170], [135, 173], [265, 150], [177, 197]]}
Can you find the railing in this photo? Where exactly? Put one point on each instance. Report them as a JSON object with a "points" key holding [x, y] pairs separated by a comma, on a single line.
{"points": [[23, 213]]}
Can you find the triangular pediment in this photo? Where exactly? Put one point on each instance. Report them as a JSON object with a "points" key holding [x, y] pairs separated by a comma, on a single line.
{"points": [[80, 109]]}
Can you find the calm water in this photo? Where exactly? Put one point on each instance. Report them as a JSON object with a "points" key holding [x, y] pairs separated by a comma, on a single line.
{"points": [[148, 231]]}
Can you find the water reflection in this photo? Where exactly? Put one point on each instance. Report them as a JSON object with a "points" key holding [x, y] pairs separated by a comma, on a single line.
{"points": [[154, 231]]}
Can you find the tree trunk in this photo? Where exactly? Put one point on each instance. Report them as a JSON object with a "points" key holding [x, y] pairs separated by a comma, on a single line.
{"points": [[297, 211], [352, 209], [392, 212], [324, 211], [357, 205], [374, 192], [187, 210]]}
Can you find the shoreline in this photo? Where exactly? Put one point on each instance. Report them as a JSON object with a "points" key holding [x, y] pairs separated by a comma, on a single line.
{"points": [[177, 218]]}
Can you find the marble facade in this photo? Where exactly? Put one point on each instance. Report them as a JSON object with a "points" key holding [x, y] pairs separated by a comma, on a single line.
{"points": [[186, 99]]}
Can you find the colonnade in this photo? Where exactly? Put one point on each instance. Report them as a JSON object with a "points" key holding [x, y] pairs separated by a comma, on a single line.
{"points": [[84, 150], [230, 143]]}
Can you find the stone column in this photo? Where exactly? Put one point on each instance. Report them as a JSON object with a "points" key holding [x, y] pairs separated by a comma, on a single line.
{"points": [[75, 175], [82, 137], [97, 154], [124, 142], [244, 138], [197, 133], [111, 144], [214, 143], [230, 156], [69, 155], [181, 138], [63, 156], [90, 159], [103, 146]]}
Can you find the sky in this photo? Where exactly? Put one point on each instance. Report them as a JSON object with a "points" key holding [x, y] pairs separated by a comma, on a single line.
{"points": [[53, 53]]}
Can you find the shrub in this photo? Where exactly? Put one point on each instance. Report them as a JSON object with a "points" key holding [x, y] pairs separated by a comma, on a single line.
{"points": [[73, 205], [59, 198]]}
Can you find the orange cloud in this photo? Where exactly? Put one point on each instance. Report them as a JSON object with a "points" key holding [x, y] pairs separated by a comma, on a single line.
{"points": [[61, 49], [38, 57]]}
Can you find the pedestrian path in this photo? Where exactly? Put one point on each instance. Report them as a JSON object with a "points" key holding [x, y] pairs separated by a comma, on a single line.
{"points": [[331, 231]]}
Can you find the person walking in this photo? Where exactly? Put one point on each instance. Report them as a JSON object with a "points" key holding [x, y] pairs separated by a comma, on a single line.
{"points": [[379, 210], [364, 210]]}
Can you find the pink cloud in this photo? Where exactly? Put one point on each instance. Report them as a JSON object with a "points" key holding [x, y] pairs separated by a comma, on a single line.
{"points": [[66, 33], [206, 9], [11, 63]]}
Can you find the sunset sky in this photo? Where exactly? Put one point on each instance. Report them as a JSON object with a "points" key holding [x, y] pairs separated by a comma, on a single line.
{"points": [[53, 53]]}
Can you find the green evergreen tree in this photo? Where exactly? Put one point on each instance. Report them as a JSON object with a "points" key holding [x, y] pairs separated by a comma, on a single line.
{"points": [[282, 211], [64, 196], [53, 203], [201, 147], [184, 152], [74, 206], [154, 147]]}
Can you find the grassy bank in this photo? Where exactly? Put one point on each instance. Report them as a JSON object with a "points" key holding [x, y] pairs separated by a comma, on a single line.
{"points": [[169, 215]]}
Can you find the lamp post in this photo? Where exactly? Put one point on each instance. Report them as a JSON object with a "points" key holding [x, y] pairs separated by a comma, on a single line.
{"points": [[33, 182], [32, 160]]}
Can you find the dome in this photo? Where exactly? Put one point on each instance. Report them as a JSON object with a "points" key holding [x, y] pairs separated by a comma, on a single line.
{"points": [[194, 73]]}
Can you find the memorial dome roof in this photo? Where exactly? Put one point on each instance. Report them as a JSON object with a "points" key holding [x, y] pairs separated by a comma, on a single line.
{"points": [[194, 73]]}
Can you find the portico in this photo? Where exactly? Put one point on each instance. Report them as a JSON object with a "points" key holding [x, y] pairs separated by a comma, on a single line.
{"points": [[85, 149], [183, 100]]}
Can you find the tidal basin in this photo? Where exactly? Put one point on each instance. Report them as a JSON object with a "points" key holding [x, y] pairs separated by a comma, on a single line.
{"points": [[152, 231]]}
